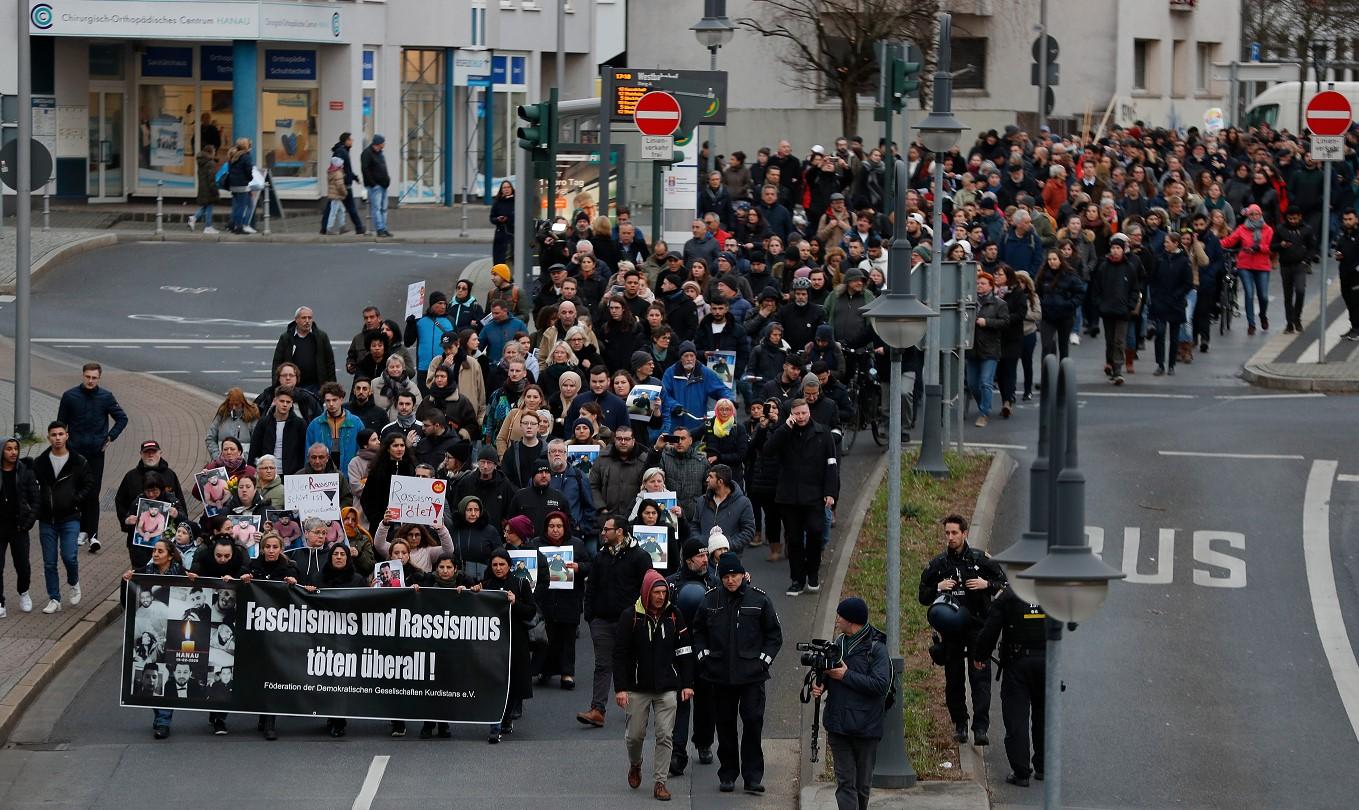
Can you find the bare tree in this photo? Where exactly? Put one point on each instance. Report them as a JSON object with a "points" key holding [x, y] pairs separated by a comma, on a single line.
{"points": [[829, 44]]}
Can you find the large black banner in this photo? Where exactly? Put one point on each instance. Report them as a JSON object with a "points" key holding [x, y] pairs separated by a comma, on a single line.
{"points": [[271, 648]]}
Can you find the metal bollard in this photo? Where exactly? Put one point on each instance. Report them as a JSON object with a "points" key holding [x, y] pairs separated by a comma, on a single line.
{"points": [[267, 231], [46, 209], [160, 207]]}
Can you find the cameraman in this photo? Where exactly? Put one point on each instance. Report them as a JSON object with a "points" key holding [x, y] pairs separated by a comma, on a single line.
{"points": [[854, 711]]}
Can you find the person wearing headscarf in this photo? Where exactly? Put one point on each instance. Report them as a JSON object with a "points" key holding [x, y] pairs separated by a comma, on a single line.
{"points": [[522, 610]]}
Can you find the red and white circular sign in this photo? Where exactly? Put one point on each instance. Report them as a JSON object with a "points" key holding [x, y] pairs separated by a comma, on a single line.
{"points": [[657, 113], [1329, 114]]}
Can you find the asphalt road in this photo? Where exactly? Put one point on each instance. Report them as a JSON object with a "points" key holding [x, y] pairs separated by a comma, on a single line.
{"points": [[1205, 681], [140, 308], [209, 315]]}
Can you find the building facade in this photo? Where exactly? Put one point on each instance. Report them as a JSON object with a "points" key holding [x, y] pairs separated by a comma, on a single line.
{"points": [[126, 94], [1148, 60]]}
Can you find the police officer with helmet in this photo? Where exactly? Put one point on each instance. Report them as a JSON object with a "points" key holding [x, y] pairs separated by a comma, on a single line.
{"points": [[957, 586], [1021, 629]]}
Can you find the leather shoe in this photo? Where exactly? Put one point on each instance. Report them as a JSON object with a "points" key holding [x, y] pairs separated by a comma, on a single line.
{"points": [[980, 738], [1017, 780], [727, 787], [960, 734], [1038, 775], [660, 792], [594, 717], [754, 788], [677, 765], [635, 775], [705, 756]]}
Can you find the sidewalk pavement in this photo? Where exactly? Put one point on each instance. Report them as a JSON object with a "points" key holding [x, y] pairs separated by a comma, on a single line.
{"points": [[1289, 362], [34, 646]]}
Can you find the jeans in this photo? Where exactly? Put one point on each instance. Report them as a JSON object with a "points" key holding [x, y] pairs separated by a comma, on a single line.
{"points": [[981, 373], [163, 717], [204, 214], [854, 760], [1186, 329], [602, 634], [18, 550], [1076, 320], [240, 209], [377, 205], [1255, 282], [640, 706], [66, 534], [1294, 292]]}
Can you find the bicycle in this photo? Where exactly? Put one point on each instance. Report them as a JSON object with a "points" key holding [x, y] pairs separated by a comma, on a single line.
{"points": [[865, 393], [1227, 305]]}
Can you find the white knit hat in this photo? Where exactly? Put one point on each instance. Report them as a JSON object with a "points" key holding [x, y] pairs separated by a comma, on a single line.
{"points": [[717, 540]]}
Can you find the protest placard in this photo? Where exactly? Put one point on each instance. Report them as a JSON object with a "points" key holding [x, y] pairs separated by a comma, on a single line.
{"points": [[559, 577], [524, 564], [654, 540], [640, 401], [582, 456], [415, 299], [313, 495], [416, 500], [152, 519]]}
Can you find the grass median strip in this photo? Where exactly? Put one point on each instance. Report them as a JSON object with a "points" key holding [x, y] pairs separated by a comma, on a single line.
{"points": [[924, 502]]}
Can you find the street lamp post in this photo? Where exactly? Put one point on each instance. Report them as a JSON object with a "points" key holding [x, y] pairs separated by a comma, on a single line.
{"points": [[1070, 582], [899, 319], [712, 32], [938, 133]]}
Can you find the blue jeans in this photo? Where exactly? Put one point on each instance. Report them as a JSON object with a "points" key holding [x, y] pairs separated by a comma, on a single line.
{"points": [[1186, 328], [240, 209], [66, 533], [1076, 320], [204, 214], [1253, 282], [981, 373], [377, 204], [163, 717]]}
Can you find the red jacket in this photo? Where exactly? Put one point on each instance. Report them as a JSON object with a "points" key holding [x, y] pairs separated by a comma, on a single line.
{"points": [[1252, 256]]}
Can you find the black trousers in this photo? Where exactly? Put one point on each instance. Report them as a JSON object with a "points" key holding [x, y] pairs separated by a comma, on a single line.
{"points": [[1021, 703], [1204, 308], [352, 209], [1349, 291], [1056, 336], [17, 543], [559, 658], [854, 760], [802, 530], [700, 708], [1294, 292], [1115, 343], [1007, 377], [746, 758], [958, 672], [89, 508], [767, 511]]}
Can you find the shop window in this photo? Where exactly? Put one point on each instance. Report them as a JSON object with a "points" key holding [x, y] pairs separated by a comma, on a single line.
{"points": [[288, 142], [422, 114], [166, 131], [106, 61], [215, 121]]}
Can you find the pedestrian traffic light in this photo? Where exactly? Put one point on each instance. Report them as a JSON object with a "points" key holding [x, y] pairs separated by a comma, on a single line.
{"points": [[539, 130], [905, 82]]}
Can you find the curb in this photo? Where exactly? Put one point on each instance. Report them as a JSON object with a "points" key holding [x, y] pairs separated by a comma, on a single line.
{"points": [[75, 248], [298, 238], [12, 706], [1257, 375], [970, 762]]}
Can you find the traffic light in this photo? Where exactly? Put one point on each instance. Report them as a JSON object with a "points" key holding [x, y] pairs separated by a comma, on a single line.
{"points": [[539, 130], [904, 83]]}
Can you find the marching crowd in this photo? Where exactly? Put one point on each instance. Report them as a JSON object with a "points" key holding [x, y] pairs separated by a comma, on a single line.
{"points": [[712, 377]]}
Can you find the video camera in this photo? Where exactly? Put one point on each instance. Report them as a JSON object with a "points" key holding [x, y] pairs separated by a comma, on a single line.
{"points": [[819, 654]]}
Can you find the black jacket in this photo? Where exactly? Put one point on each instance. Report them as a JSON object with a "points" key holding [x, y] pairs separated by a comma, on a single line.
{"points": [[60, 496], [652, 654], [87, 414], [294, 441], [495, 495], [373, 164], [615, 580], [276, 571], [1115, 288], [205, 562], [130, 488], [968, 563], [806, 460], [1302, 244], [1018, 626], [736, 635], [988, 340], [29, 495], [855, 704], [732, 338], [536, 503], [1060, 294], [562, 605], [799, 323], [325, 353]]}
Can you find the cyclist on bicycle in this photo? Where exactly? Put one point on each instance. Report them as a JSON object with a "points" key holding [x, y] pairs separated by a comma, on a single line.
{"points": [[842, 308]]}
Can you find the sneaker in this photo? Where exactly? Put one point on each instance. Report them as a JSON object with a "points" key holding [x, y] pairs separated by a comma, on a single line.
{"points": [[52, 606], [75, 594], [3, 612], [1350, 335], [398, 728], [795, 588], [25, 603], [81, 538], [248, 229], [209, 230], [160, 732], [193, 222], [1171, 371], [1160, 371], [219, 728], [981, 421], [385, 234], [1118, 379], [1288, 330], [813, 583], [494, 737], [1075, 339], [95, 545]]}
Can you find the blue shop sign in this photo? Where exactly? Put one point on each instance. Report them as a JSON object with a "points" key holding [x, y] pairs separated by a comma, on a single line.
{"points": [[168, 63], [517, 70], [290, 65], [215, 63], [369, 58]]}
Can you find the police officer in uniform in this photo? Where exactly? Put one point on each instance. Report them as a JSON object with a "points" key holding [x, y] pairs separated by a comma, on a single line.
{"points": [[970, 578], [1021, 629]]}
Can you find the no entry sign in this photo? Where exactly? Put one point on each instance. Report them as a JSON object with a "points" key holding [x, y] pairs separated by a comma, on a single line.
{"points": [[1329, 114], [657, 113]]}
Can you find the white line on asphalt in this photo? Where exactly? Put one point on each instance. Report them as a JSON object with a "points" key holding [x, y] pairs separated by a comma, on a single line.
{"points": [[1248, 456], [1312, 395], [1136, 394], [370, 783], [5, 299], [1349, 479], [64, 342], [989, 446], [1316, 547], [236, 371], [170, 347], [1337, 328], [168, 371]]}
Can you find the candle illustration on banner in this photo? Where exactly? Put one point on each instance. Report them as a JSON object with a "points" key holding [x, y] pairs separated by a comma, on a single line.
{"points": [[187, 644]]}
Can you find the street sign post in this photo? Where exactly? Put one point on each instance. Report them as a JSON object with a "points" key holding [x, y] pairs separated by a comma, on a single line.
{"points": [[657, 113], [658, 147], [1328, 116]]}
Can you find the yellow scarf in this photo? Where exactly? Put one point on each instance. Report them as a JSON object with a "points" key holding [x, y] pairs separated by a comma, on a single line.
{"points": [[723, 429]]}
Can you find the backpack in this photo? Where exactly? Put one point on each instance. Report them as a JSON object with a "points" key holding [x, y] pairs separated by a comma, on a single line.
{"points": [[890, 699]]}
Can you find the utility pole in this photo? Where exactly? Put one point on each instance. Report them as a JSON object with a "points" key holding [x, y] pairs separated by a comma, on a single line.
{"points": [[23, 221], [1042, 63]]}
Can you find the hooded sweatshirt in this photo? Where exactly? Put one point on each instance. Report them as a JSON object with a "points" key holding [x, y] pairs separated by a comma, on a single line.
{"points": [[653, 651]]}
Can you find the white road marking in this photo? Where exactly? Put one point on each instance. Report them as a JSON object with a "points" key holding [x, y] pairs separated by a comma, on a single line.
{"points": [[1316, 546], [170, 347], [221, 371], [168, 371], [6, 299], [1347, 478], [1247, 456], [1137, 394], [1313, 395], [370, 783], [989, 446], [1337, 328], [67, 342]]}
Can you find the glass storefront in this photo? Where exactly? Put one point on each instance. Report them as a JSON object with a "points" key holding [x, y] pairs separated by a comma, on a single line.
{"points": [[288, 144], [422, 124], [166, 137]]}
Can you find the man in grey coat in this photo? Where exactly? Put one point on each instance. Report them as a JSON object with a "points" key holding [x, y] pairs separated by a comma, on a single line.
{"points": [[724, 506]]}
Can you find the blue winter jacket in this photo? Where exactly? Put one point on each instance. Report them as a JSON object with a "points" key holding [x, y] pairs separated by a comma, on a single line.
{"points": [[429, 332], [496, 335], [318, 432], [1022, 252], [87, 415], [692, 392], [574, 485]]}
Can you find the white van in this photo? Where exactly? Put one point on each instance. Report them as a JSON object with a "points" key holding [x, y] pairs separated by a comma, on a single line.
{"points": [[1278, 106]]}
